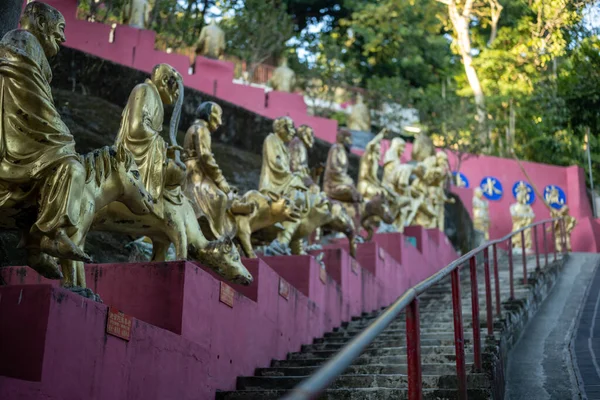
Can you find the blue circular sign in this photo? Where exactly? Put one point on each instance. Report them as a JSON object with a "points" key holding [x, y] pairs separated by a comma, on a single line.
{"points": [[524, 186], [491, 187], [555, 196], [460, 179]]}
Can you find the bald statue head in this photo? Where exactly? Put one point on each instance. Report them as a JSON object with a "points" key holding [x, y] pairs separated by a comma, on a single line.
{"points": [[47, 24], [167, 80], [307, 135], [211, 113], [344, 137], [284, 128]]}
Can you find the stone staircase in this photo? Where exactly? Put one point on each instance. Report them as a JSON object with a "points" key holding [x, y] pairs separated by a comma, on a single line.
{"points": [[381, 371]]}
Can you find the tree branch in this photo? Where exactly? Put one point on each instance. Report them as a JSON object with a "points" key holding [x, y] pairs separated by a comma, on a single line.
{"points": [[495, 11], [468, 9]]}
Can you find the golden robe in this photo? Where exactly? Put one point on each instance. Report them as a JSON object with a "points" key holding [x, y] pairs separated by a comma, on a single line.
{"points": [[337, 184], [368, 182], [276, 175], [37, 151], [204, 180], [141, 125]]}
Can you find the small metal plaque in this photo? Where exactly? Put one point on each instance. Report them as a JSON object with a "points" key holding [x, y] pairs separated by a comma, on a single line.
{"points": [[354, 266], [284, 289], [118, 324], [226, 294], [323, 274]]}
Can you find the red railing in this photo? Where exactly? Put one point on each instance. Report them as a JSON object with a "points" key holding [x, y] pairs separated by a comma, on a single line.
{"points": [[409, 302]]}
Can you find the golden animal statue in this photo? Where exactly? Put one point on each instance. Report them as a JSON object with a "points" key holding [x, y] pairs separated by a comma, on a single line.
{"points": [[369, 184], [522, 215], [284, 78], [569, 224], [481, 216], [276, 175], [360, 117], [205, 186], [136, 13], [173, 219], [269, 209], [211, 42]]}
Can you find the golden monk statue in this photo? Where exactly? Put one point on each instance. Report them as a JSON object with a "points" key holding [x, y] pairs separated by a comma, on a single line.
{"points": [[423, 212], [136, 13], [276, 175], [360, 118], [396, 176], [522, 215], [211, 42], [206, 186], [440, 178], [337, 184], [298, 148], [481, 216], [141, 126], [569, 224], [284, 78], [37, 151], [422, 147]]}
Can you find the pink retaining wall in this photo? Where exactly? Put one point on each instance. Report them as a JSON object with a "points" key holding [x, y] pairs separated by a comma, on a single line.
{"points": [[185, 343]]}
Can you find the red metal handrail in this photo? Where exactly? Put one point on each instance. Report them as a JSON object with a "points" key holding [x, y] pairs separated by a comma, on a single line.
{"points": [[320, 380]]}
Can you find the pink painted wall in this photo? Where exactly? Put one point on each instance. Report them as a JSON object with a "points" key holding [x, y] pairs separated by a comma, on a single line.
{"points": [[185, 343]]}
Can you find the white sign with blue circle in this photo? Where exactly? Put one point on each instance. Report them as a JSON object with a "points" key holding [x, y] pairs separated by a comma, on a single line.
{"points": [[491, 187], [525, 186], [555, 196], [460, 179]]}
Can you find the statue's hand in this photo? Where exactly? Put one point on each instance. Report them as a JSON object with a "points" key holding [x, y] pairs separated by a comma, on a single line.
{"points": [[225, 187]]}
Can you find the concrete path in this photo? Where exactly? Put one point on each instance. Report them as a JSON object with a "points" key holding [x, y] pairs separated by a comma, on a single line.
{"points": [[540, 366]]}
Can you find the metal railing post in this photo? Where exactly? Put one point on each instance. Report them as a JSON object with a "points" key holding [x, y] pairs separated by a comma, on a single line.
{"points": [[524, 256], [488, 293], [413, 351], [497, 281], [545, 243], [510, 269], [475, 314], [537, 248], [554, 238], [459, 340]]}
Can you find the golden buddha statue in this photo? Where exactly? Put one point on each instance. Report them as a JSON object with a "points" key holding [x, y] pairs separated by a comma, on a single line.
{"points": [[298, 148], [569, 225], [141, 126], [481, 216], [206, 186], [37, 151], [337, 184], [211, 42], [136, 13], [396, 175], [522, 215], [423, 212], [440, 178], [284, 78], [360, 117], [276, 175]]}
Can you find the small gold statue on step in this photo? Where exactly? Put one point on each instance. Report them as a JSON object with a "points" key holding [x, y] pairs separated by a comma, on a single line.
{"points": [[481, 216], [211, 43], [284, 78], [360, 117], [298, 148], [569, 224], [522, 215]]}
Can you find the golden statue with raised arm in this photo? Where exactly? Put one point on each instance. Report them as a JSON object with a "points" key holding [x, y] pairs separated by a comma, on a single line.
{"points": [[37, 151], [206, 186], [369, 184]]}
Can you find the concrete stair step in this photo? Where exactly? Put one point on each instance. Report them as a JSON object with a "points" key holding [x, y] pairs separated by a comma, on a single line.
{"points": [[377, 352], [379, 344], [372, 360], [358, 394], [340, 337], [360, 381], [428, 369]]}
